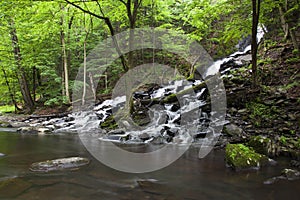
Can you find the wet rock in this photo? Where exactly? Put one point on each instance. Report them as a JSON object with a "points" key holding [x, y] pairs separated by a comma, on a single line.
{"points": [[17, 124], [116, 132], [59, 164], [264, 145], [233, 130], [286, 174], [172, 132], [175, 107], [144, 136], [290, 174], [43, 131], [4, 124], [200, 135], [242, 111], [157, 140], [295, 163], [118, 138], [239, 156], [27, 130]]}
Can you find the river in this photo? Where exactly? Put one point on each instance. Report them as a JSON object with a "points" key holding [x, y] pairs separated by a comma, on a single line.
{"points": [[187, 178]]}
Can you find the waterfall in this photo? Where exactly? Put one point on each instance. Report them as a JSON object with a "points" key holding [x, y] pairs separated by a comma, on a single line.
{"points": [[165, 124]]}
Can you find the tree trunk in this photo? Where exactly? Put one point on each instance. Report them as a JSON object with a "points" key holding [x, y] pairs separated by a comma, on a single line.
{"points": [[254, 45], [287, 27], [29, 103], [84, 72], [111, 30], [284, 25], [34, 85], [65, 75], [93, 86], [11, 94]]}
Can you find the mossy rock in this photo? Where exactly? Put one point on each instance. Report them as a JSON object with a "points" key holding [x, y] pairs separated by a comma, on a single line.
{"points": [[264, 145], [239, 156], [109, 123]]}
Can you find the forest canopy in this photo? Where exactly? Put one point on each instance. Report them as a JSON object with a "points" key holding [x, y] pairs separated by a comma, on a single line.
{"points": [[43, 43]]}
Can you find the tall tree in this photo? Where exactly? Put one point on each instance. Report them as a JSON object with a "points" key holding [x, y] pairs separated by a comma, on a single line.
{"points": [[254, 44], [107, 21], [29, 103]]}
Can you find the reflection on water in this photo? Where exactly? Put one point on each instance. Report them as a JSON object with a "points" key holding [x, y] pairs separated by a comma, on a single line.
{"points": [[187, 178]]}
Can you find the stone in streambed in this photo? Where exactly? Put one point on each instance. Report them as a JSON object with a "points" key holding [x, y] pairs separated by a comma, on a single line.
{"points": [[27, 130], [4, 124], [264, 145], [33, 130], [59, 164], [43, 131], [233, 130], [116, 132], [144, 136], [239, 156], [286, 174]]}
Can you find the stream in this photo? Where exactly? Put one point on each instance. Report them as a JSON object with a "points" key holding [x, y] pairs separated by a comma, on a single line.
{"points": [[187, 178]]}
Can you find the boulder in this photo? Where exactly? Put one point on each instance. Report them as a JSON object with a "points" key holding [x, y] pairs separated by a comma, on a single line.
{"points": [[233, 130], [43, 131], [239, 157], [290, 174], [27, 130], [59, 164], [158, 140], [264, 145], [4, 124], [144, 136], [286, 174]]}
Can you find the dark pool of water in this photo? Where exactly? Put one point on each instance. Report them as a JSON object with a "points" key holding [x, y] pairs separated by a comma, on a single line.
{"points": [[187, 178]]}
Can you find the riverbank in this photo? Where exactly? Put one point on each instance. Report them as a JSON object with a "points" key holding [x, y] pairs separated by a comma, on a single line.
{"points": [[266, 118]]}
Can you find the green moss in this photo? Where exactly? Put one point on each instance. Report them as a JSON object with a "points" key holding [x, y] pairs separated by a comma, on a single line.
{"points": [[173, 97], [263, 145], [261, 114], [109, 123], [239, 156]]}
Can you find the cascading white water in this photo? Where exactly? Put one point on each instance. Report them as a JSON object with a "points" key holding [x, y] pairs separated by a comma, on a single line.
{"points": [[165, 124]]}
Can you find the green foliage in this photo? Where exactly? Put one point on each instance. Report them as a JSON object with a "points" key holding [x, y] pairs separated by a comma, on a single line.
{"points": [[39, 25], [293, 60], [261, 114], [7, 109], [283, 140], [109, 123]]}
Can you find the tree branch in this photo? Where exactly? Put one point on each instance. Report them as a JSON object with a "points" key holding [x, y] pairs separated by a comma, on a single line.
{"points": [[86, 11]]}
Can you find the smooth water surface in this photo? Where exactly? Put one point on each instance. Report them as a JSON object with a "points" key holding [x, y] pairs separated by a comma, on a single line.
{"points": [[187, 178]]}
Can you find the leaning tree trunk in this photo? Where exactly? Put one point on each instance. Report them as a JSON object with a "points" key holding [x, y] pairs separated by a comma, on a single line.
{"points": [[29, 103], [254, 44]]}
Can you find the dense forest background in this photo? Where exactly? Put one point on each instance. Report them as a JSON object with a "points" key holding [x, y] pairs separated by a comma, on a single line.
{"points": [[43, 43]]}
